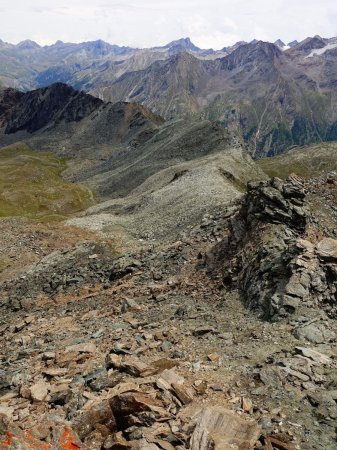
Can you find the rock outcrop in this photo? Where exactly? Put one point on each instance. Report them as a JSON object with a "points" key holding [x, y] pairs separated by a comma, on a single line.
{"points": [[268, 256]]}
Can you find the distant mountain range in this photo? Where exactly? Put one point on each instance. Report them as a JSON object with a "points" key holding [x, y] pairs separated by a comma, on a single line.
{"points": [[273, 95]]}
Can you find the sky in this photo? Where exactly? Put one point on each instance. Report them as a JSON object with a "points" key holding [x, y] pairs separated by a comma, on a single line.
{"points": [[146, 23]]}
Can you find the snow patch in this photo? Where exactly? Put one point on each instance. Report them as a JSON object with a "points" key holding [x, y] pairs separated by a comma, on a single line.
{"points": [[320, 51]]}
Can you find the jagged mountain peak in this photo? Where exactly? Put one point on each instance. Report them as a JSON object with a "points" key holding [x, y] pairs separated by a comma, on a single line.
{"points": [[247, 58], [42, 107], [60, 111], [183, 56], [254, 51], [292, 43], [97, 48], [175, 60], [311, 43], [282, 46], [58, 88], [58, 42], [260, 45], [231, 48], [185, 43], [267, 47], [279, 43], [98, 44]]}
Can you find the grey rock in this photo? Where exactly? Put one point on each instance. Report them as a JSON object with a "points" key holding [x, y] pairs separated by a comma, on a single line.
{"points": [[166, 346], [317, 334], [327, 249], [129, 305]]}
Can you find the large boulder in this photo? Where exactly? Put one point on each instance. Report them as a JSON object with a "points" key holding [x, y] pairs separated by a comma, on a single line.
{"points": [[326, 249]]}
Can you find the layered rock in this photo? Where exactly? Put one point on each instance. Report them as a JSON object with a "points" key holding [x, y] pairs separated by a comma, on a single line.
{"points": [[8, 99], [266, 255], [38, 109]]}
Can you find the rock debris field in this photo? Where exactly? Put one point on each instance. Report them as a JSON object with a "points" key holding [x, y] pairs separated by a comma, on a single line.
{"points": [[222, 339]]}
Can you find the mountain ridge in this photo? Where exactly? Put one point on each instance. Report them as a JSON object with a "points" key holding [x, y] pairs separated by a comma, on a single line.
{"points": [[70, 122], [273, 96]]}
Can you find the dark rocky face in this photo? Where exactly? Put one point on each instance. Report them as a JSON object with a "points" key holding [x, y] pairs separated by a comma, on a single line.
{"points": [[38, 109], [9, 98]]}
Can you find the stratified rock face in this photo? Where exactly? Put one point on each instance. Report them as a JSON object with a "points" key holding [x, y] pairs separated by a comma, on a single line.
{"points": [[266, 256], [37, 109], [277, 202], [8, 99]]}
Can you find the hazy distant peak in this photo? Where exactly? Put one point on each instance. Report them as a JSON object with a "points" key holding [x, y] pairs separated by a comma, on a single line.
{"points": [[234, 47], [28, 44], [264, 45], [183, 43], [281, 45]]}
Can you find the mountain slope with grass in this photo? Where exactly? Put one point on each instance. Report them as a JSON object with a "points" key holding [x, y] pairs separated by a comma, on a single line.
{"points": [[312, 161], [31, 185]]}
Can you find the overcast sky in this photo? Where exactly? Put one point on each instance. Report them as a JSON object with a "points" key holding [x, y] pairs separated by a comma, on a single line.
{"points": [[145, 23]]}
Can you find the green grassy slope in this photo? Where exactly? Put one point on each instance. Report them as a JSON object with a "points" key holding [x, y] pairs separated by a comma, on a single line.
{"points": [[31, 185], [308, 161]]}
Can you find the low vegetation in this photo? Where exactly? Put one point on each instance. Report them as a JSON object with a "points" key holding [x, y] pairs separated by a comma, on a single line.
{"points": [[314, 160], [31, 185]]}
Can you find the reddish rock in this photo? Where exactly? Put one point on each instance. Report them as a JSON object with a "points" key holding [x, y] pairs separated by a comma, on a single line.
{"points": [[59, 437], [100, 414]]}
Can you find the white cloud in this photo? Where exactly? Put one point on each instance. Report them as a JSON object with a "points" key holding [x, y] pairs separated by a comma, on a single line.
{"points": [[203, 33], [143, 23]]}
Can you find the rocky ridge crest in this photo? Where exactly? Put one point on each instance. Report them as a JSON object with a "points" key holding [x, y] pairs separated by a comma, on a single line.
{"points": [[268, 254]]}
